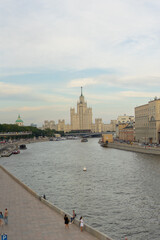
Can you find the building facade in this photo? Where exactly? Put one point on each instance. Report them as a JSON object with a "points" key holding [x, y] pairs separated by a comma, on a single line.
{"points": [[147, 122], [125, 119], [49, 124], [127, 134], [82, 120]]}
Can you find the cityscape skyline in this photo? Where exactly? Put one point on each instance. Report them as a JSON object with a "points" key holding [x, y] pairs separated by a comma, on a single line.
{"points": [[49, 49]]}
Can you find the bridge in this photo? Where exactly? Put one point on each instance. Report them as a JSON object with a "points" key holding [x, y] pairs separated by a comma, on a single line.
{"points": [[9, 134], [84, 134]]}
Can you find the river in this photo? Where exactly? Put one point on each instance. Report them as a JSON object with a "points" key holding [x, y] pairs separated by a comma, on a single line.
{"points": [[119, 194]]}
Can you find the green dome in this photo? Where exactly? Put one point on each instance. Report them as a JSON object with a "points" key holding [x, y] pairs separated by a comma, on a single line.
{"points": [[19, 120]]}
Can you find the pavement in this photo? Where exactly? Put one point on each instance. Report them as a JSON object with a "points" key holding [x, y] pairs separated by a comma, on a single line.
{"points": [[31, 219]]}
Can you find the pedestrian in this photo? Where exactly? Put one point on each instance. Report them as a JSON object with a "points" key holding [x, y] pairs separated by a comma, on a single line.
{"points": [[1, 221], [81, 223], [66, 221], [6, 216], [73, 217], [44, 196]]}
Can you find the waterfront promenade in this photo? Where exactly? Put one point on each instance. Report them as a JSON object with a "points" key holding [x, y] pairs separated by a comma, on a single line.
{"points": [[134, 148], [30, 218]]}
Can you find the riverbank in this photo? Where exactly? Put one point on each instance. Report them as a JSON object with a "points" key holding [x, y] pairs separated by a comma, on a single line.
{"points": [[7, 148], [134, 148], [42, 220]]}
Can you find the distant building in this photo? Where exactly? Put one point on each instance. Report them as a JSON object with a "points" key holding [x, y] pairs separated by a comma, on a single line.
{"points": [[125, 119], [33, 125], [107, 138], [19, 121], [123, 122], [127, 133], [49, 124], [82, 120], [61, 125], [98, 126], [147, 122], [111, 127]]}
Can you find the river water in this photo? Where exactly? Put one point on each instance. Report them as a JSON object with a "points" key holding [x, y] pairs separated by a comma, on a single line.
{"points": [[119, 194]]}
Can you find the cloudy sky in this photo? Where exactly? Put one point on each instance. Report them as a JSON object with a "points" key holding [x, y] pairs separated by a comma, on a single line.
{"points": [[50, 48]]}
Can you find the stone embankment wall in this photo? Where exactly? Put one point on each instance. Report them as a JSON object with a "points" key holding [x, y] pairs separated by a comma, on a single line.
{"points": [[135, 148], [87, 228]]}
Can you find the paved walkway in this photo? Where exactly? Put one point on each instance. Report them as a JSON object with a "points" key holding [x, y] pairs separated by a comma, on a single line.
{"points": [[30, 219]]}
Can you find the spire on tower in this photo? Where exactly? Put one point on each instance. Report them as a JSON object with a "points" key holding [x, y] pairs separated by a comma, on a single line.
{"points": [[81, 92]]}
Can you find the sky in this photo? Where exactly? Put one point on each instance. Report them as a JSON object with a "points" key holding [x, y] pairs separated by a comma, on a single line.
{"points": [[50, 48]]}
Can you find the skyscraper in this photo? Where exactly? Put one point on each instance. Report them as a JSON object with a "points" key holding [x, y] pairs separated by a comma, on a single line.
{"points": [[82, 120]]}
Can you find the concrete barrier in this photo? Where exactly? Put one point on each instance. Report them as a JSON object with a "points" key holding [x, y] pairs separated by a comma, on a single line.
{"points": [[87, 228]]}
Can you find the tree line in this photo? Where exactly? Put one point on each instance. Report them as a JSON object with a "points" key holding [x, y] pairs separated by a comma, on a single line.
{"points": [[36, 132]]}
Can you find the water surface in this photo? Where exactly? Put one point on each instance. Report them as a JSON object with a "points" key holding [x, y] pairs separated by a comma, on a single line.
{"points": [[119, 194]]}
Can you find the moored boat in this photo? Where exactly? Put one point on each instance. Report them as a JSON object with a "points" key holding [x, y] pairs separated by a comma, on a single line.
{"points": [[84, 140], [16, 152], [23, 146]]}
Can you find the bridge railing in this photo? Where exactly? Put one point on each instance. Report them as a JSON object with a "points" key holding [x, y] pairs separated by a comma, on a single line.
{"points": [[2, 134]]}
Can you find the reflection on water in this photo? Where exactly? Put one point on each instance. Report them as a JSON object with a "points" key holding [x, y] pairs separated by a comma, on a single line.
{"points": [[118, 194]]}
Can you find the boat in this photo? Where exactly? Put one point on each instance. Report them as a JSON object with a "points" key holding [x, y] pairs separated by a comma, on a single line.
{"points": [[23, 146], [104, 144], [100, 141], [16, 152], [84, 169], [84, 140]]}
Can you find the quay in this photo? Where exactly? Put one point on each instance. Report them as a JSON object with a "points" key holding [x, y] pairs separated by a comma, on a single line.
{"points": [[134, 148], [31, 217], [7, 148]]}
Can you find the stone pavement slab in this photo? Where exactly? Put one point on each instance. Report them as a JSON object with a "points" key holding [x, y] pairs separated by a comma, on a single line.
{"points": [[30, 219]]}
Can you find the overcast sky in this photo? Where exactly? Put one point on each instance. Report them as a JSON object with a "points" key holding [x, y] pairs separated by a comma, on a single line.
{"points": [[50, 48]]}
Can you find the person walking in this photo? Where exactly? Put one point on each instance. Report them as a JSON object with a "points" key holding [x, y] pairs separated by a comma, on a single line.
{"points": [[1, 222], [81, 223], [66, 221], [6, 216]]}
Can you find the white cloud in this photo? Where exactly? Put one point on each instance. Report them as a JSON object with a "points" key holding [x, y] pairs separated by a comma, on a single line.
{"points": [[82, 82], [79, 34], [72, 35], [13, 89], [131, 94]]}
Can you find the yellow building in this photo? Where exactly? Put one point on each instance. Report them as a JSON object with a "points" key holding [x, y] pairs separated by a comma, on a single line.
{"points": [[49, 124], [147, 122], [82, 120], [107, 137]]}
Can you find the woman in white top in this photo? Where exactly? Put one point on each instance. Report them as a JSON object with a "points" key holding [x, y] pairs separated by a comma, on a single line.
{"points": [[81, 223]]}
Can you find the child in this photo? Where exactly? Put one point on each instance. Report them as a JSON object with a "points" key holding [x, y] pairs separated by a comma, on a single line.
{"points": [[81, 223]]}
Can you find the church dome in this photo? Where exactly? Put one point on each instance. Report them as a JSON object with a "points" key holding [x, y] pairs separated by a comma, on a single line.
{"points": [[19, 121]]}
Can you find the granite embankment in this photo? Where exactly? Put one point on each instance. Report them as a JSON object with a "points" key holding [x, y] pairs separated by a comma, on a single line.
{"points": [[7, 148], [135, 148], [32, 217]]}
